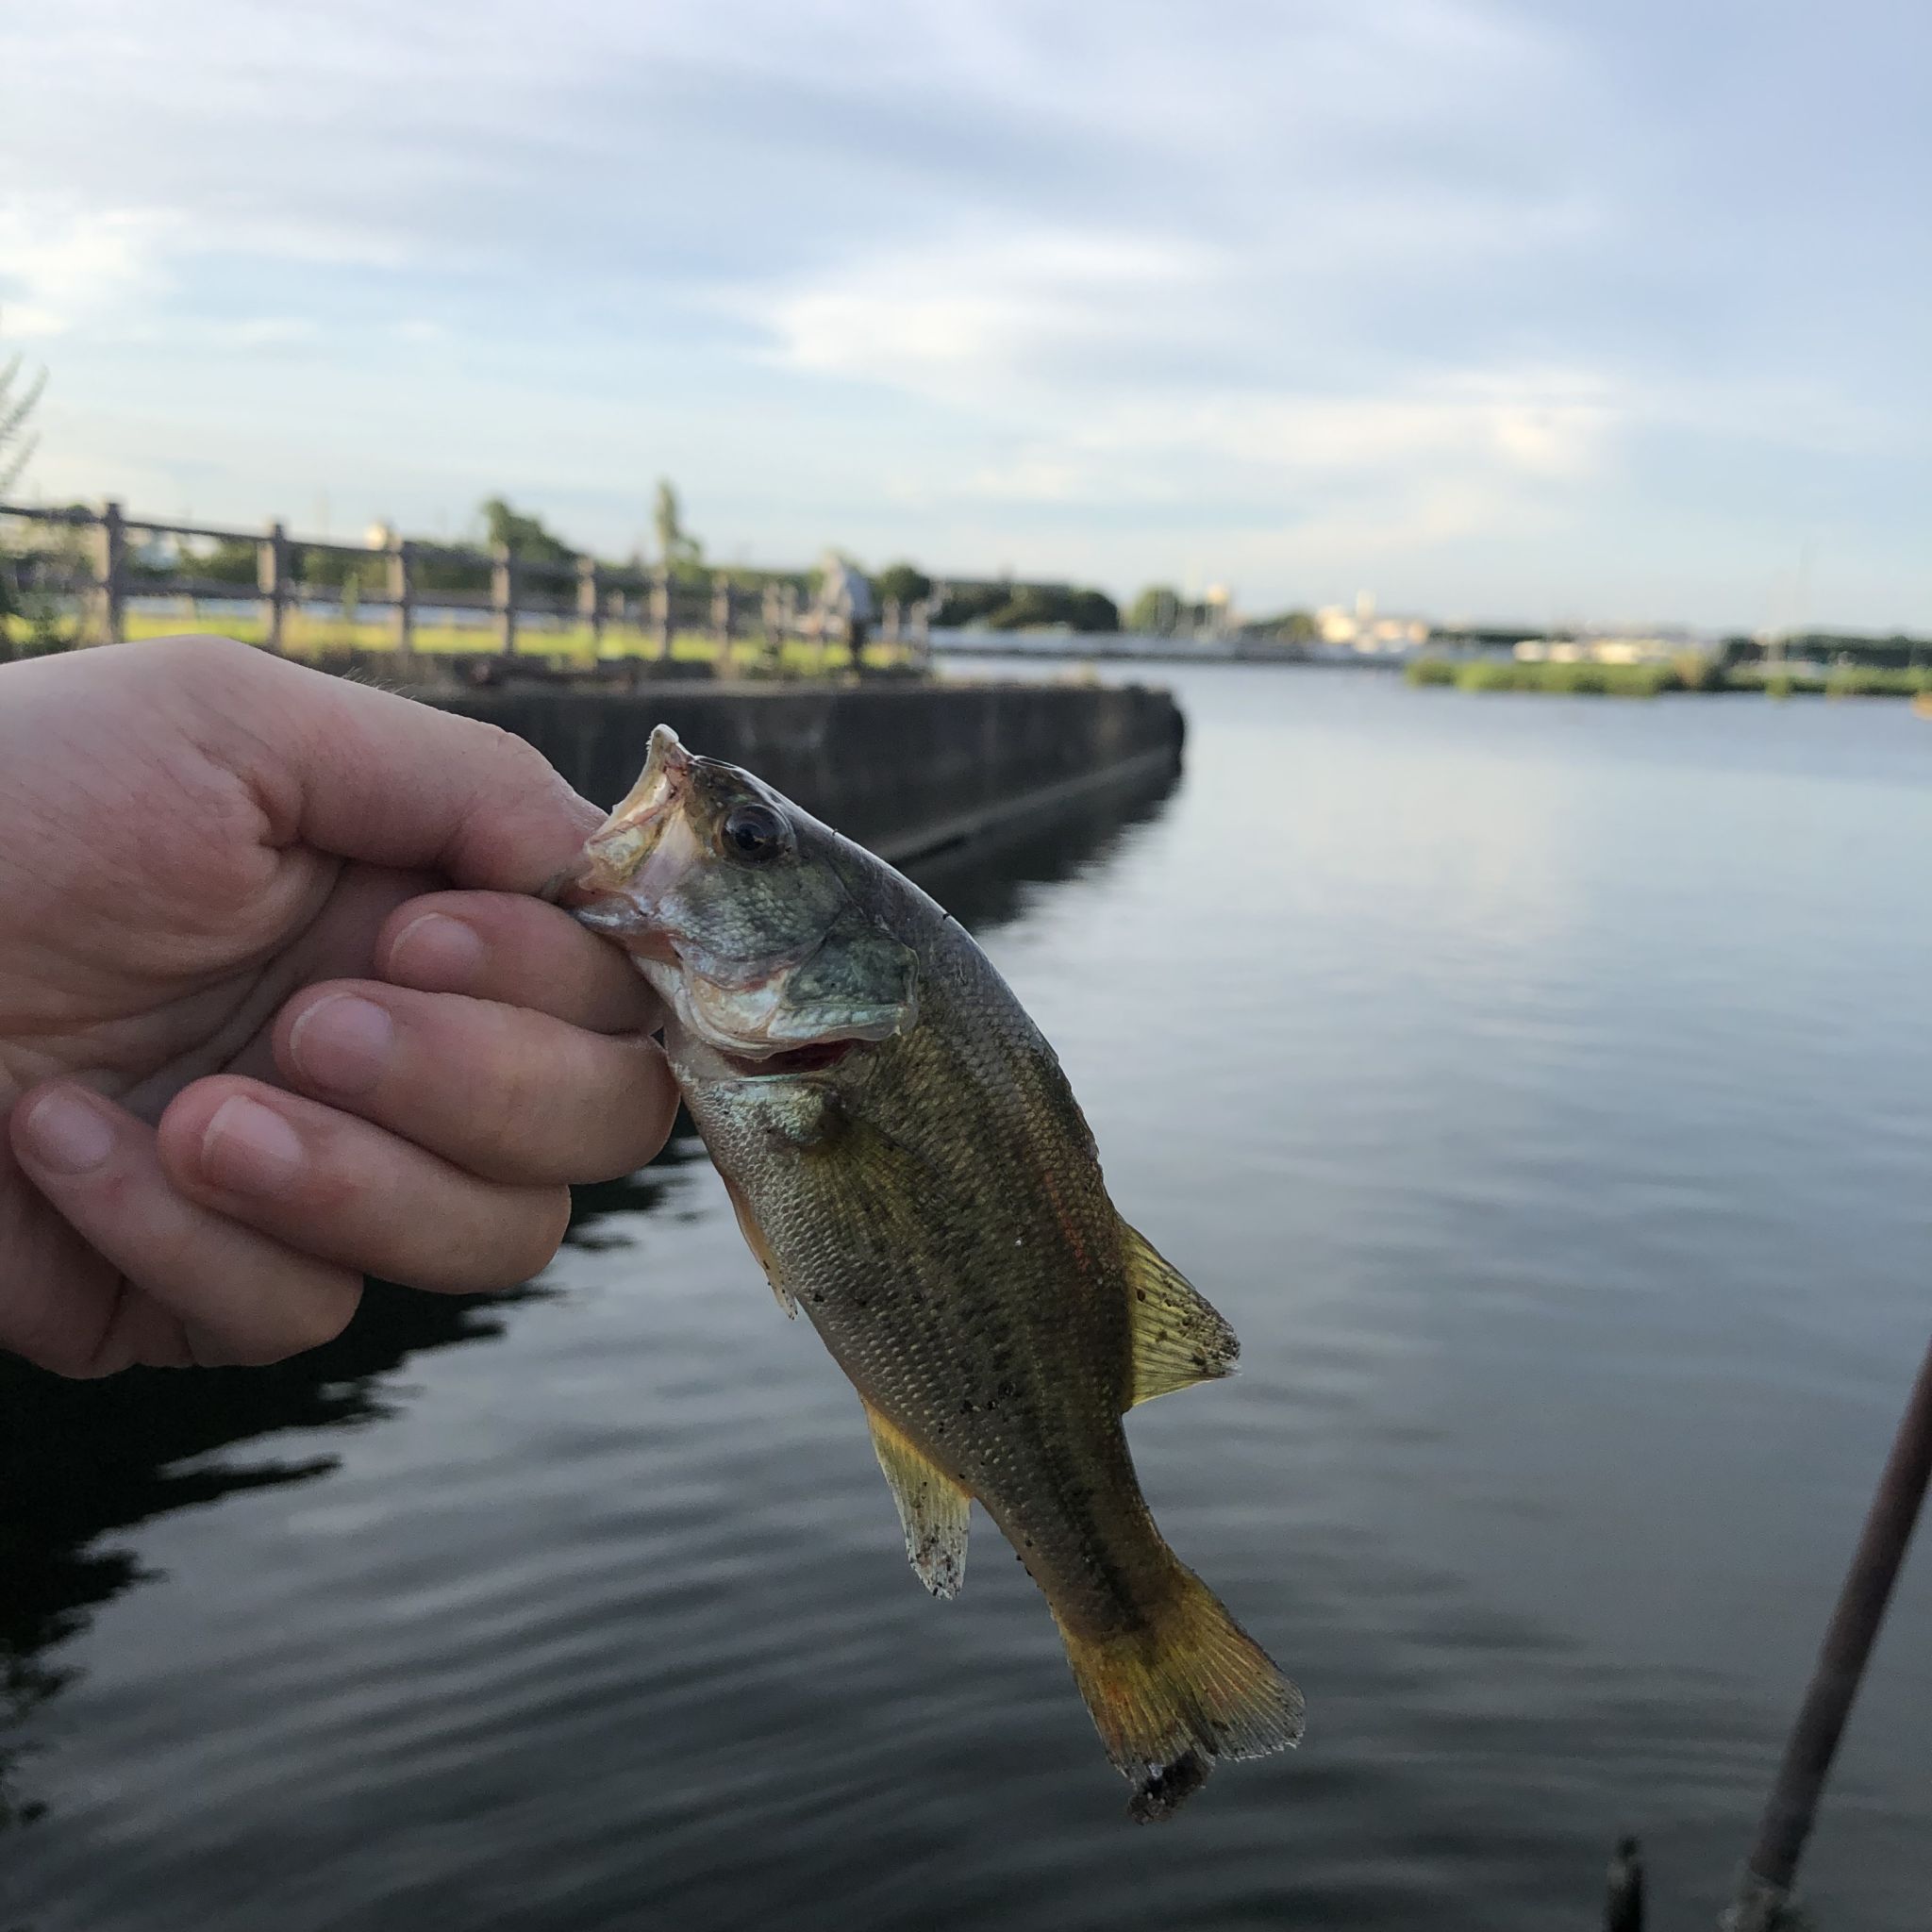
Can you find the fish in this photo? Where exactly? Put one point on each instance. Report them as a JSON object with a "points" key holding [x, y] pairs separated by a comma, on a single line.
{"points": [[909, 1164]]}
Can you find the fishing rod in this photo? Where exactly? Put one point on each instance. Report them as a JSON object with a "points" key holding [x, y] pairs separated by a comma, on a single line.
{"points": [[1763, 1900]]}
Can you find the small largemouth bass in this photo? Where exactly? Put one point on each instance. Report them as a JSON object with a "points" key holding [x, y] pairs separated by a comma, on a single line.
{"points": [[908, 1162]]}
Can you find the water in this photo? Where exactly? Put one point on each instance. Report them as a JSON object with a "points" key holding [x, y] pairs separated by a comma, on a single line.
{"points": [[1543, 1089]]}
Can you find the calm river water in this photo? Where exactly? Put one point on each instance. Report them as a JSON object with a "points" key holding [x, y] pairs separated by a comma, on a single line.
{"points": [[1544, 1090]]}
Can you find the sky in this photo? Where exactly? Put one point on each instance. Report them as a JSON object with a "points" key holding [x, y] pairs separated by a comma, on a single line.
{"points": [[1554, 313]]}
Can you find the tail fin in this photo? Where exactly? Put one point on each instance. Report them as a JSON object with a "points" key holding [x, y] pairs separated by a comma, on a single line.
{"points": [[1188, 1687]]}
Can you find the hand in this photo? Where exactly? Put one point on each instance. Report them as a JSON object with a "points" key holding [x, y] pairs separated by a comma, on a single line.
{"points": [[243, 1060]]}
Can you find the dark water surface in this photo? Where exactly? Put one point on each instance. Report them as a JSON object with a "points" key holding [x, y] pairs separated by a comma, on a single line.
{"points": [[1542, 1087]]}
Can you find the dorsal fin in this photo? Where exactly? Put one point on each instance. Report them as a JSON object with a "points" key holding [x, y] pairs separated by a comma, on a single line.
{"points": [[934, 1510], [1178, 1339], [754, 1241]]}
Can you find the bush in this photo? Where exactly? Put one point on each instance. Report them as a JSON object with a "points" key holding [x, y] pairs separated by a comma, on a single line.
{"points": [[1569, 680], [1430, 671], [1870, 681]]}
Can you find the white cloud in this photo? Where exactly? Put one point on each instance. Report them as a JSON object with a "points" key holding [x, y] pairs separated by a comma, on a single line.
{"points": [[947, 319], [63, 264], [1532, 421]]}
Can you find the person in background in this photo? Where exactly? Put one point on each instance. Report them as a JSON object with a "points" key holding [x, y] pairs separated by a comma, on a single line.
{"points": [[277, 1009]]}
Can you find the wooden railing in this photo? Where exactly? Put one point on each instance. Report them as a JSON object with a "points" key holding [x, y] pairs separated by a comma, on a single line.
{"points": [[583, 594]]}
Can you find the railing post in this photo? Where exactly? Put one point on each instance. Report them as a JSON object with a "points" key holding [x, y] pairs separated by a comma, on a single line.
{"points": [[271, 580], [720, 623], [109, 618], [591, 602], [787, 617], [661, 615], [503, 597], [402, 590]]}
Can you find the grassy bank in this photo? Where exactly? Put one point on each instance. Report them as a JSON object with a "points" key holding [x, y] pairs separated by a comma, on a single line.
{"points": [[1650, 680], [563, 646]]}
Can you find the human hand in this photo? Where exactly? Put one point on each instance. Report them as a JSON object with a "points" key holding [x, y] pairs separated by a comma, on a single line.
{"points": [[243, 1060]]}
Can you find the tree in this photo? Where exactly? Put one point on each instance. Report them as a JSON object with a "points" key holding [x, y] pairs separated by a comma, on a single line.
{"points": [[524, 536], [1036, 605], [680, 552], [902, 584], [1154, 610], [17, 401], [1092, 610], [968, 604]]}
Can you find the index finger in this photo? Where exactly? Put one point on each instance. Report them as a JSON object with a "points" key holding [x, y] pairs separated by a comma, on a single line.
{"points": [[519, 952]]}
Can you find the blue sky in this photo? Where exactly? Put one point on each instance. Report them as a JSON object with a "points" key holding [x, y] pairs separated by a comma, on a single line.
{"points": [[1553, 312]]}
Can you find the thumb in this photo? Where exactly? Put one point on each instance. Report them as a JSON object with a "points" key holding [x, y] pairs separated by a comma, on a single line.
{"points": [[368, 774]]}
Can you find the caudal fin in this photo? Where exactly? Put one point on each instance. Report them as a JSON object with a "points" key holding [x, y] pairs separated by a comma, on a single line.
{"points": [[1188, 1687]]}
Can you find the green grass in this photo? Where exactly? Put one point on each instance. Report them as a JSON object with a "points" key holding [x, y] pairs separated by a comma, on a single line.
{"points": [[1859, 681], [1580, 680], [1687, 672], [570, 646]]}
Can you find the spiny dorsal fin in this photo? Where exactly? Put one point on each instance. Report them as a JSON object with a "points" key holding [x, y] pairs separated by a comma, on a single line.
{"points": [[1178, 1339], [754, 1241], [934, 1510]]}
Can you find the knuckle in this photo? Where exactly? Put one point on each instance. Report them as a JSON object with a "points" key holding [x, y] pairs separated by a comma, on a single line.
{"points": [[200, 656], [523, 1102], [540, 1225], [322, 1315], [313, 1314], [522, 758]]}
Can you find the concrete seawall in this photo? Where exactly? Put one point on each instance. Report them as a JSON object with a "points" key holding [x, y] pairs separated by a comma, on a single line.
{"points": [[904, 767]]}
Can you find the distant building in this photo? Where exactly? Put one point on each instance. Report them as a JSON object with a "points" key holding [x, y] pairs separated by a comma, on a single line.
{"points": [[1658, 646], [1360, 629]]}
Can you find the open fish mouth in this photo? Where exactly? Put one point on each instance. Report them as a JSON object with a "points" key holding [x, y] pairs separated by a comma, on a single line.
{"points": [[644, 844], [818, 1057]]}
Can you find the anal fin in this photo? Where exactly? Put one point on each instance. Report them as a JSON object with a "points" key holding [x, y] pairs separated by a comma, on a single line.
{"points": [[755, 1239], [933, 1511], [1179, 1339]]}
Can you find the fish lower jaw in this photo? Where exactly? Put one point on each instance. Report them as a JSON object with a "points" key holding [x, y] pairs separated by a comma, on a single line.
{"points": [[788, 1062]]}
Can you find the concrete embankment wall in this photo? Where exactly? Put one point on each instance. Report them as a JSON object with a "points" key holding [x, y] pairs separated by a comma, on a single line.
{"points": [[904, 767]]}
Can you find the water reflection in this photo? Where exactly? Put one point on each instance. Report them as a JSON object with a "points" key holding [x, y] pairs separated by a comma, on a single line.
{"points": [[82, 1462]]}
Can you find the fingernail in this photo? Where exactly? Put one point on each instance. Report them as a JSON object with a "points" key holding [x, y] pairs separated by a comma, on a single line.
{"points": [[437, 954], [250, 1149], [68, 1132], [342, 1043]]}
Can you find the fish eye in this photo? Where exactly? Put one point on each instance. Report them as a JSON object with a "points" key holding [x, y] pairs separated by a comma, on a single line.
{"points": [[753, 833]]}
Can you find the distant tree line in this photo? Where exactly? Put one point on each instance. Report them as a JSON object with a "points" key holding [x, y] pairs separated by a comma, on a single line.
{"points": [[1026, 606], [1897, 652], [1161, 611]]}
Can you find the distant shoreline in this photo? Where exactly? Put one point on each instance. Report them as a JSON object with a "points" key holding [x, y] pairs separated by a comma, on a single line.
{"points": [[1691, 673]]}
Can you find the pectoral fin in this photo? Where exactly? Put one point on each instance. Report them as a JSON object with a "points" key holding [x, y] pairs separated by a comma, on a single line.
{"points": [[934, 1510], [754, 1241], [1178, 1339]]}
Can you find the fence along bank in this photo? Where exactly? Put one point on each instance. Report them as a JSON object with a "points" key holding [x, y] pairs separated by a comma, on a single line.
{"points": [[505, 597]]}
